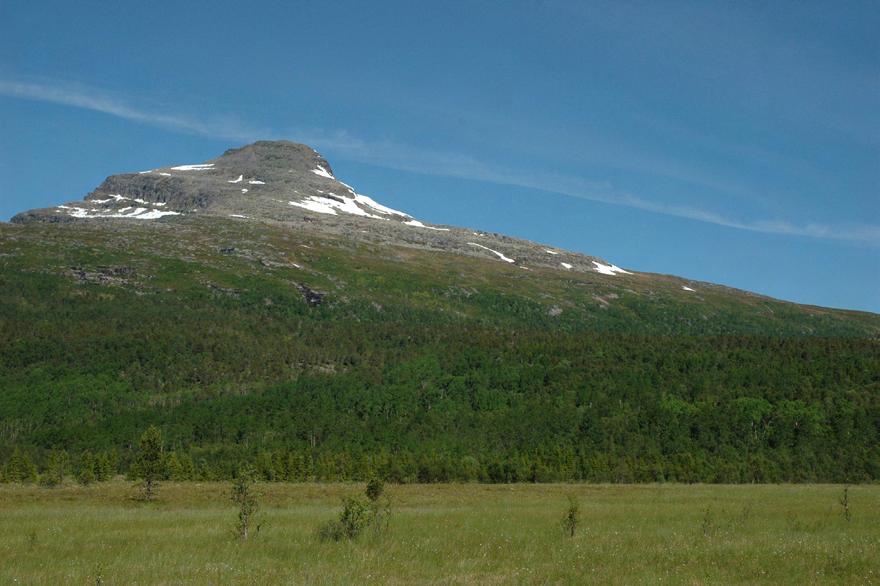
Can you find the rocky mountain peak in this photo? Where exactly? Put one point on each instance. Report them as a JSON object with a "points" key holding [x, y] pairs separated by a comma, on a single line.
{"points": [[273, 156], [292, 184]]}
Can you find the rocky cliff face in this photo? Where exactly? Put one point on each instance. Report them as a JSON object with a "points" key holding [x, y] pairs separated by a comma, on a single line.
{"points": [[292, 184]]}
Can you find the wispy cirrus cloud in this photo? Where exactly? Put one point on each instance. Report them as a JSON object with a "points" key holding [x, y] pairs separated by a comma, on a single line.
{"points": [[405, 158], [389, 154], [98, 101]]}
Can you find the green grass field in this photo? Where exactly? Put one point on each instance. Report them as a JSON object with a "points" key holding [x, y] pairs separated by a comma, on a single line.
{"points": [[444, 534]]}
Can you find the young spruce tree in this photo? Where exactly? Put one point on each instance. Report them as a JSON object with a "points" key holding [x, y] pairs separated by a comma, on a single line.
{"points": [[87, 465], [149, 464], [55, 468], [243, 495]]}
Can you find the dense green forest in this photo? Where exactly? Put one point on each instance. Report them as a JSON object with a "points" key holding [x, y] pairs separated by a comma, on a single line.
{"points": [[427, 369]]}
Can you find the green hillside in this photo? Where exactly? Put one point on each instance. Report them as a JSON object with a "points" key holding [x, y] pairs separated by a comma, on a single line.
{"points": [[329, 357]]}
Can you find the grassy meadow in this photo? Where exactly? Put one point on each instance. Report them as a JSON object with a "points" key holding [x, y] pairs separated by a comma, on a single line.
{"points": [[444, 534]]}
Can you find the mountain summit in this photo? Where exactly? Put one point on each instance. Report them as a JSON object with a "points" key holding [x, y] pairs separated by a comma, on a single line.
{"points": [[292, 184], [266, 179]]}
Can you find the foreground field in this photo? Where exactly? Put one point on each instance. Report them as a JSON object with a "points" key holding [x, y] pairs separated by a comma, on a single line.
{"points": [[444, 534]]}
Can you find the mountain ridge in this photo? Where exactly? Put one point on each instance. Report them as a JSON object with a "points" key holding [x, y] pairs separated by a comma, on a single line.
{"points": [[291, 184]]}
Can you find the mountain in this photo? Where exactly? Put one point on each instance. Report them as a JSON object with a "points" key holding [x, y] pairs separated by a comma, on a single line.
{"points": [[281, 185], [257, 308], [291, 184]]}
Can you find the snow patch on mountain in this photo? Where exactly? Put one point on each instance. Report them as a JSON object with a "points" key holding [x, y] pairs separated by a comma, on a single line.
{"points": [[417, 224], [322, 172], [611, 270], [369, 201], [153, 214], [137, 214], [495, 252], [198, 167], [325, 205], [314, 204]]}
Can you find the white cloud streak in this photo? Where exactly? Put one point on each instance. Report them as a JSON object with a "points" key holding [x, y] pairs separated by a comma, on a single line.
{"points": [[90, 99], [428, 162], [445, 164]]}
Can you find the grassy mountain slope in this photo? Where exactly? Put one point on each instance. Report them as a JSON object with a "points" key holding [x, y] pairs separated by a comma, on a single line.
{"points": [[329, 356]]}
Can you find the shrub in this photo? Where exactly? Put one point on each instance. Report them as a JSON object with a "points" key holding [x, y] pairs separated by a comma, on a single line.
{"points": [[571, 520], [844, 502], [248, 506], [331, 531], [707, 525], [375, 487], [358, 515]]}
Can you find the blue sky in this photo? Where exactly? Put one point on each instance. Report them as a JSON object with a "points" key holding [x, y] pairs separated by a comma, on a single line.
{"points": [[737, 143]]}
